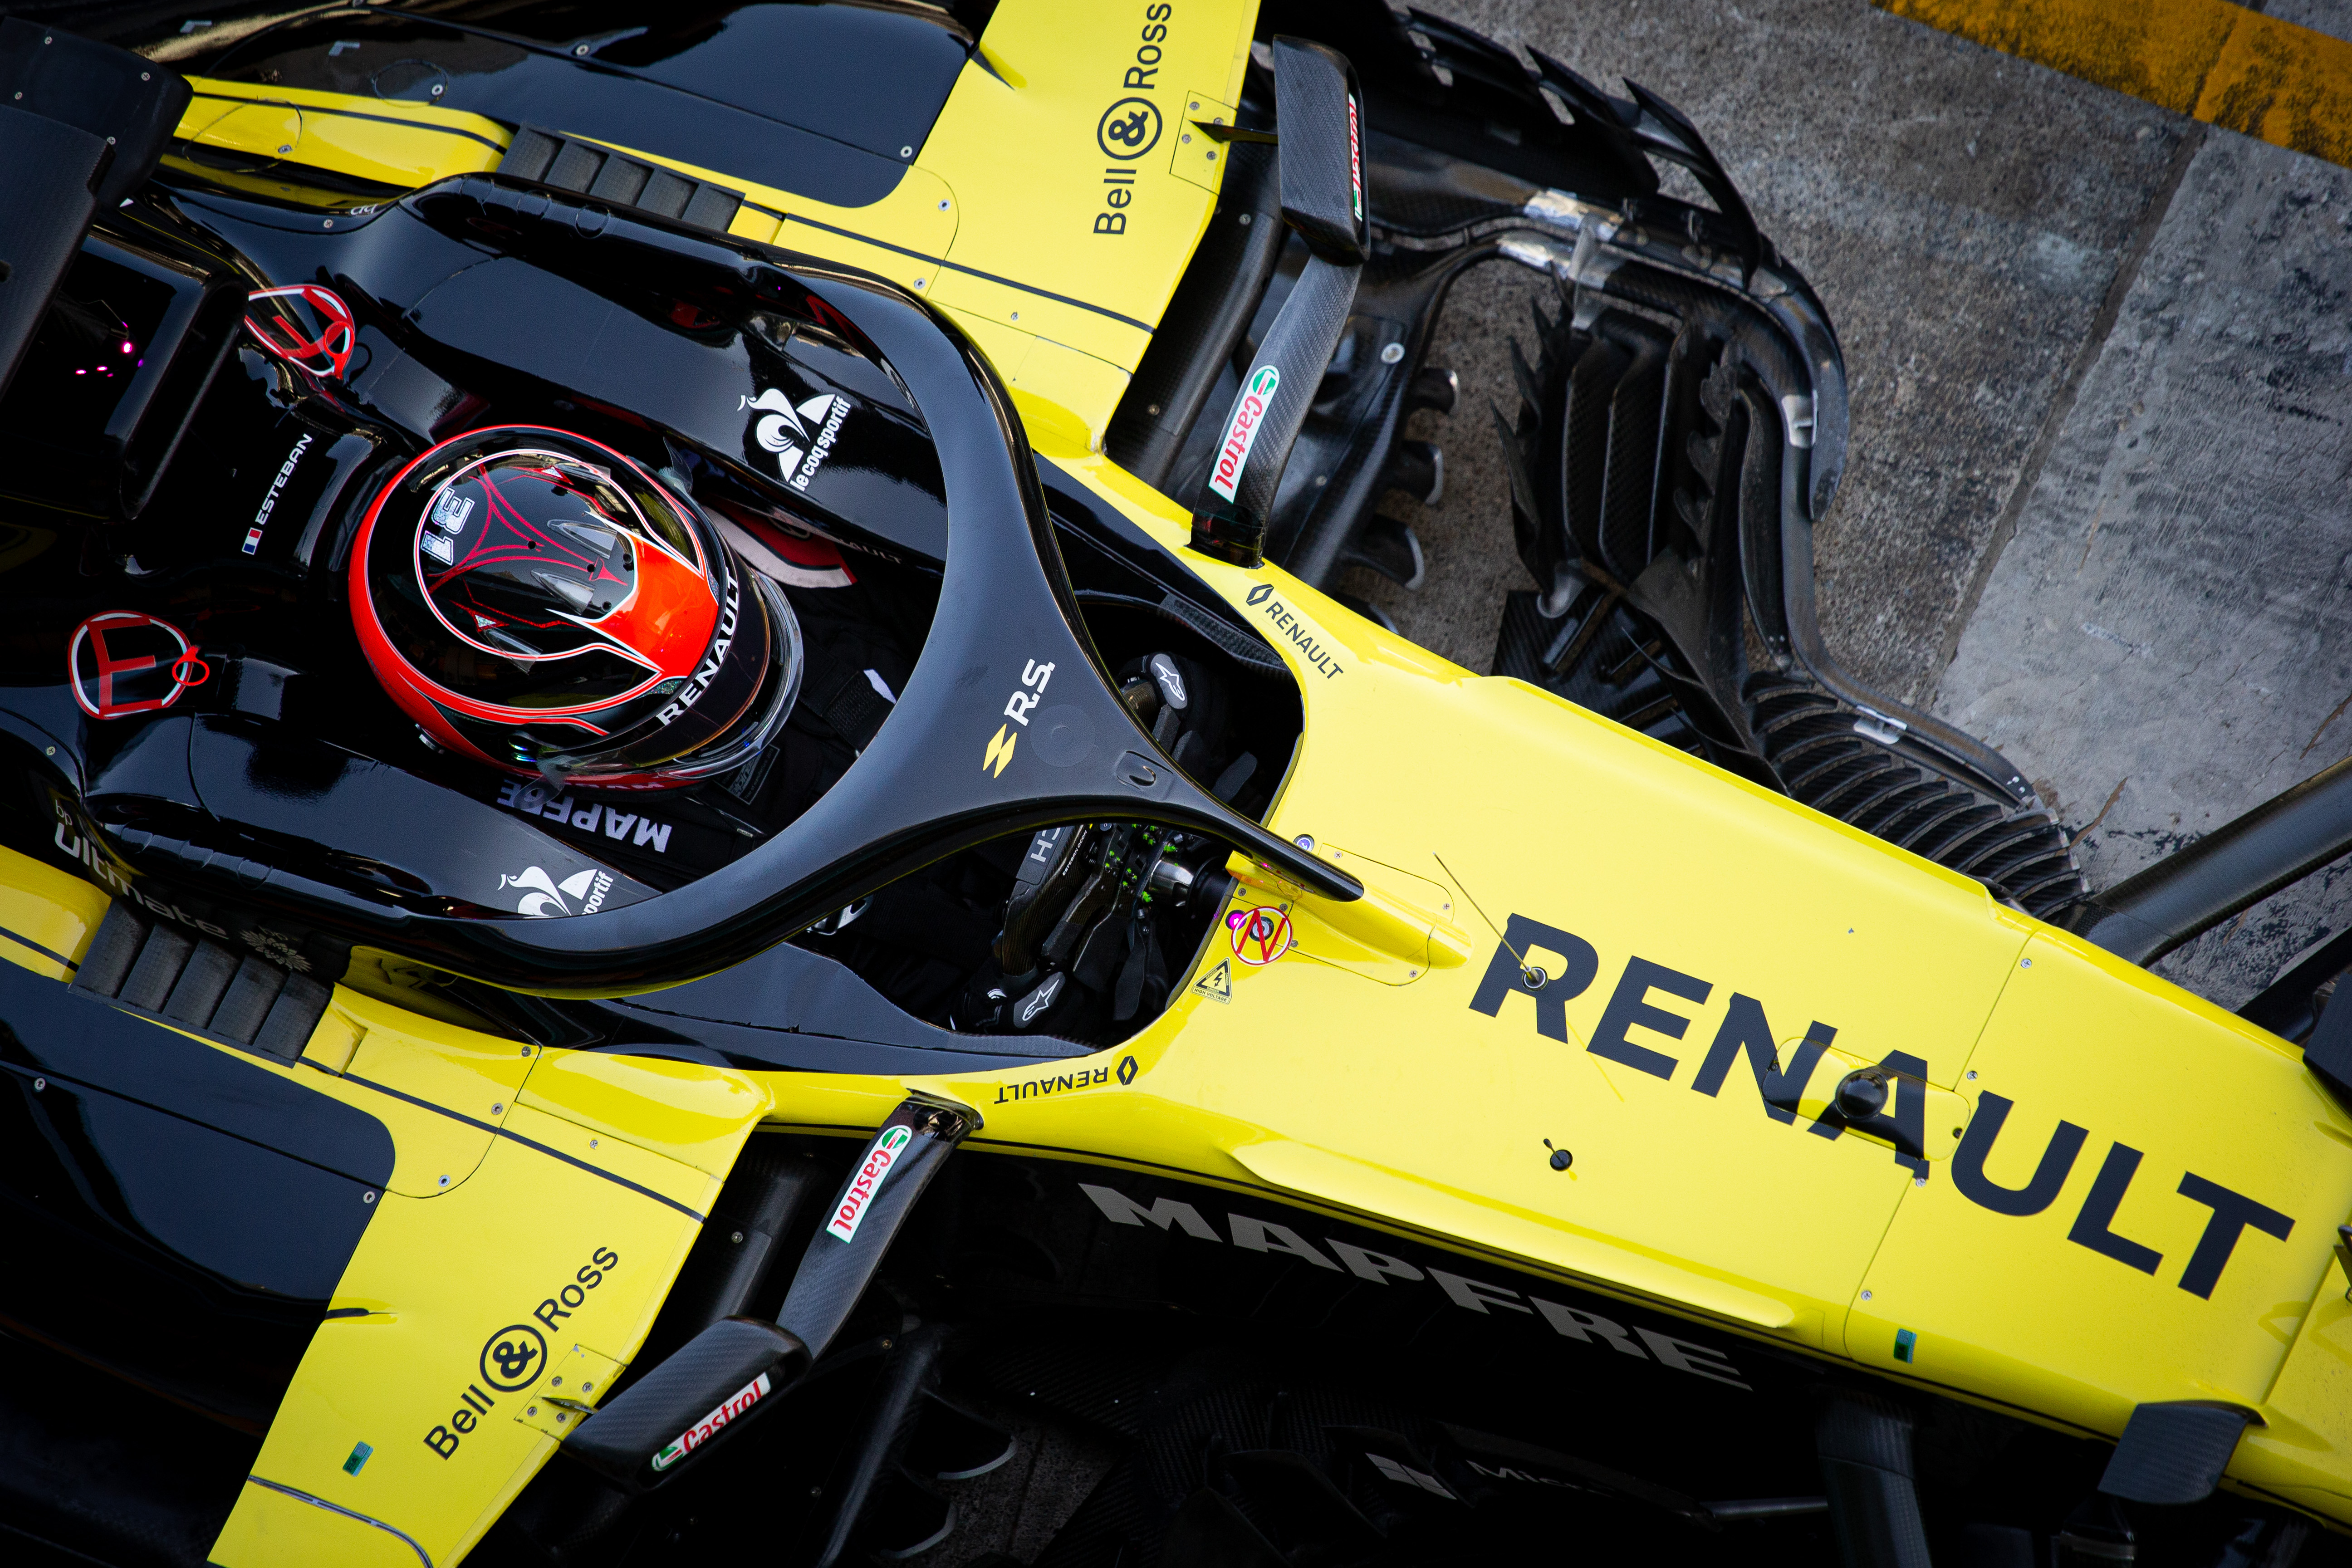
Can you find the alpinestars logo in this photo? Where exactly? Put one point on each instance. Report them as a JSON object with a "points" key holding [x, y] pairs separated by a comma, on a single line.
{"points": [[853, 1202], [542, 895], [801, 437], [1241, 429]]}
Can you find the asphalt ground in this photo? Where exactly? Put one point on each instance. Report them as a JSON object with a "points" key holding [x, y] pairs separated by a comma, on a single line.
{"points": [[2096, 507]]}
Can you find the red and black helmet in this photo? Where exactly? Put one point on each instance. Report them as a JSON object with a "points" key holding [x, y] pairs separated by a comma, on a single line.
{"points": [[537, 601]]}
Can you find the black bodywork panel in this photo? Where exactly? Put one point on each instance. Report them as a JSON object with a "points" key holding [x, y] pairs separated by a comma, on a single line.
{"points": [[823, 100], [176, 1214]]}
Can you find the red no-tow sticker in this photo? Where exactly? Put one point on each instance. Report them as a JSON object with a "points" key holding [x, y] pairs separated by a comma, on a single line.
{"points": [[1260, 935], [122, 662]]}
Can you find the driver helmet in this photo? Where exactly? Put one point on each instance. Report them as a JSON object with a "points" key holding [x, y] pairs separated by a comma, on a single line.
{"points": [[536, 601]]}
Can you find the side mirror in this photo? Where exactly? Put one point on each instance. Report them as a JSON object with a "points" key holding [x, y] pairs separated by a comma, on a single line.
{"points": [[1322, 154], [1321, 150]]}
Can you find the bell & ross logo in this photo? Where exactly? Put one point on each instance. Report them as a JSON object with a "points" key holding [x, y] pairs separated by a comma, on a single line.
{"points": [[511, 1357], [1131, 127], [1128, 128]]}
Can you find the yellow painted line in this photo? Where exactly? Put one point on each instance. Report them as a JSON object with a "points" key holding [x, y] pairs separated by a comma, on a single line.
{"points": [[2210, 60]]}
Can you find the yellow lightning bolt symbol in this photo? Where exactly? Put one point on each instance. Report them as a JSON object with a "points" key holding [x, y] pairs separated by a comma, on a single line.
{"points": [[1000, 751]]}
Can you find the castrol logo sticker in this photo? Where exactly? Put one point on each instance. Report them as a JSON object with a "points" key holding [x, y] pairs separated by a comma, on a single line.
{"points": [[702, 1431], [867, 1183], [1241, 429], [1355, 162]]}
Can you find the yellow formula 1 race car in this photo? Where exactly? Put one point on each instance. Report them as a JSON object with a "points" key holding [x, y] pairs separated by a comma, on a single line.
{"points": [[694, 870]]}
